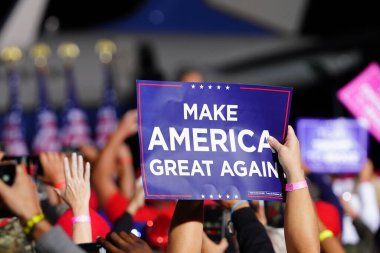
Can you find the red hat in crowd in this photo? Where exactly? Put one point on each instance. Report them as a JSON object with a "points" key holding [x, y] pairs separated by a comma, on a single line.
{"points": [[98, 225], [329, 216]]}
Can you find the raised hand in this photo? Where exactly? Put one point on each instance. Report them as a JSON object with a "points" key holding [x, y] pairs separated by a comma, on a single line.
{"points": [[52, 165], [21, 198], [128, 124], [289, 155], [76, 193]]}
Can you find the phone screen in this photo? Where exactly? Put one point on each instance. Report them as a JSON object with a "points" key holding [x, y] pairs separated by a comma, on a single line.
{"points": [[214, 222], [32, 163], [7, 172], [7, 175], [92, 248]]}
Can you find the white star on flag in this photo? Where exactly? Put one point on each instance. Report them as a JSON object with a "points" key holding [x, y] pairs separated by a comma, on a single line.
{"points": [[211, 196], [227, 87], [210, 87], [220, 196], [236, 196], [218, 87], [201, 87], [203, 196], [228, 196], [193, 86]]}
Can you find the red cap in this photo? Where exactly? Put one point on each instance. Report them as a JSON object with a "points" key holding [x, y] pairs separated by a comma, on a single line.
{"points": [[98, 225], [329, 215]]}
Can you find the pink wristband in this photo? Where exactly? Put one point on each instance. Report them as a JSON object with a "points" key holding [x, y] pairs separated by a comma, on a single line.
{"points": [[81, 218], [296, 186]]}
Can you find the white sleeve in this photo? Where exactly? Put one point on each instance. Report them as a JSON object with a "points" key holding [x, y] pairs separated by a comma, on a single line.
{"points": [[369, 212]]}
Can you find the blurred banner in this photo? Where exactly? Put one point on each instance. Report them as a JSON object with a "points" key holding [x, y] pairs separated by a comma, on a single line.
{"points": [[107, 113], [333, 145], [361, 96], [47, 137], [13, 137], [75, 131], [209, 140]]}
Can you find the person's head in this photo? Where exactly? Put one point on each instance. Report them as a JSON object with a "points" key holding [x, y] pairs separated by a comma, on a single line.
{"points": [[190, 75]]}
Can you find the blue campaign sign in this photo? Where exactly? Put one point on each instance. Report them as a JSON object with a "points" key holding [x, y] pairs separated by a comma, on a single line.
{"points": [[209, 140], [333, 145]]}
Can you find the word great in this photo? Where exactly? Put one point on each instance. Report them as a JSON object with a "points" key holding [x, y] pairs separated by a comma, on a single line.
{"points": [[203, 168]]}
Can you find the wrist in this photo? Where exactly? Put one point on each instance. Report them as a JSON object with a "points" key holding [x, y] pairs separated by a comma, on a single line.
{"points": [[60, 184], [132, 209], [238, 205], [84, 210], [295, 176], [325, 234], [126, 161], [81, 219], [289, 187], [29, 214], [40, 229], [30, 224]]}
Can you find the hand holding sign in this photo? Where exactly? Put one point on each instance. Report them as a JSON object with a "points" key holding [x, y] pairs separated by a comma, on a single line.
{"points": [[289, 155]]}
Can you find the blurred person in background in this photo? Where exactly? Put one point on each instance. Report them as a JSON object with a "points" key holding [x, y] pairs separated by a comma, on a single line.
{"points": [[362, 214]]}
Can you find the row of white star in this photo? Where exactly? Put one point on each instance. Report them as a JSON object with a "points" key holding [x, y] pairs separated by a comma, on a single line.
{"points": [[219, 196], [218, 87]]}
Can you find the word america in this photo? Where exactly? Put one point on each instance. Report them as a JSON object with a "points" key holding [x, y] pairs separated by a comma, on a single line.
{"points": [[204, 139]]}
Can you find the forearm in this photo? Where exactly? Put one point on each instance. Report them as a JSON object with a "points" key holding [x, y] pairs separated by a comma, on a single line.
{"points": [[102, 176], [332, 245], [364, 232], [301, 225], [186, 229], [40, 229], [370, 212], [127, 179], [82, 231]]}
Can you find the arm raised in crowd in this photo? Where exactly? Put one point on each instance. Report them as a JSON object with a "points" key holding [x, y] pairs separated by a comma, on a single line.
{"points": [[329, 243], [186, 228], [103, 171], [301, 224], [76, 194], [22, 199]]}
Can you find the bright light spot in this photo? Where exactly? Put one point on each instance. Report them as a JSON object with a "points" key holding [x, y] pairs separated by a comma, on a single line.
{"points": [[160, 239], [136, 232], [346, 196]]}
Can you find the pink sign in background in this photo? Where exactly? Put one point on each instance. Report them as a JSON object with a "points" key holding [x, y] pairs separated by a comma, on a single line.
{"points": [[361, 97]]}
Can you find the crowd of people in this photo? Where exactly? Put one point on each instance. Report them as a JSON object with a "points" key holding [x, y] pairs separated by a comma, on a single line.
{"points": [[70, 179], [97, 196]]}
